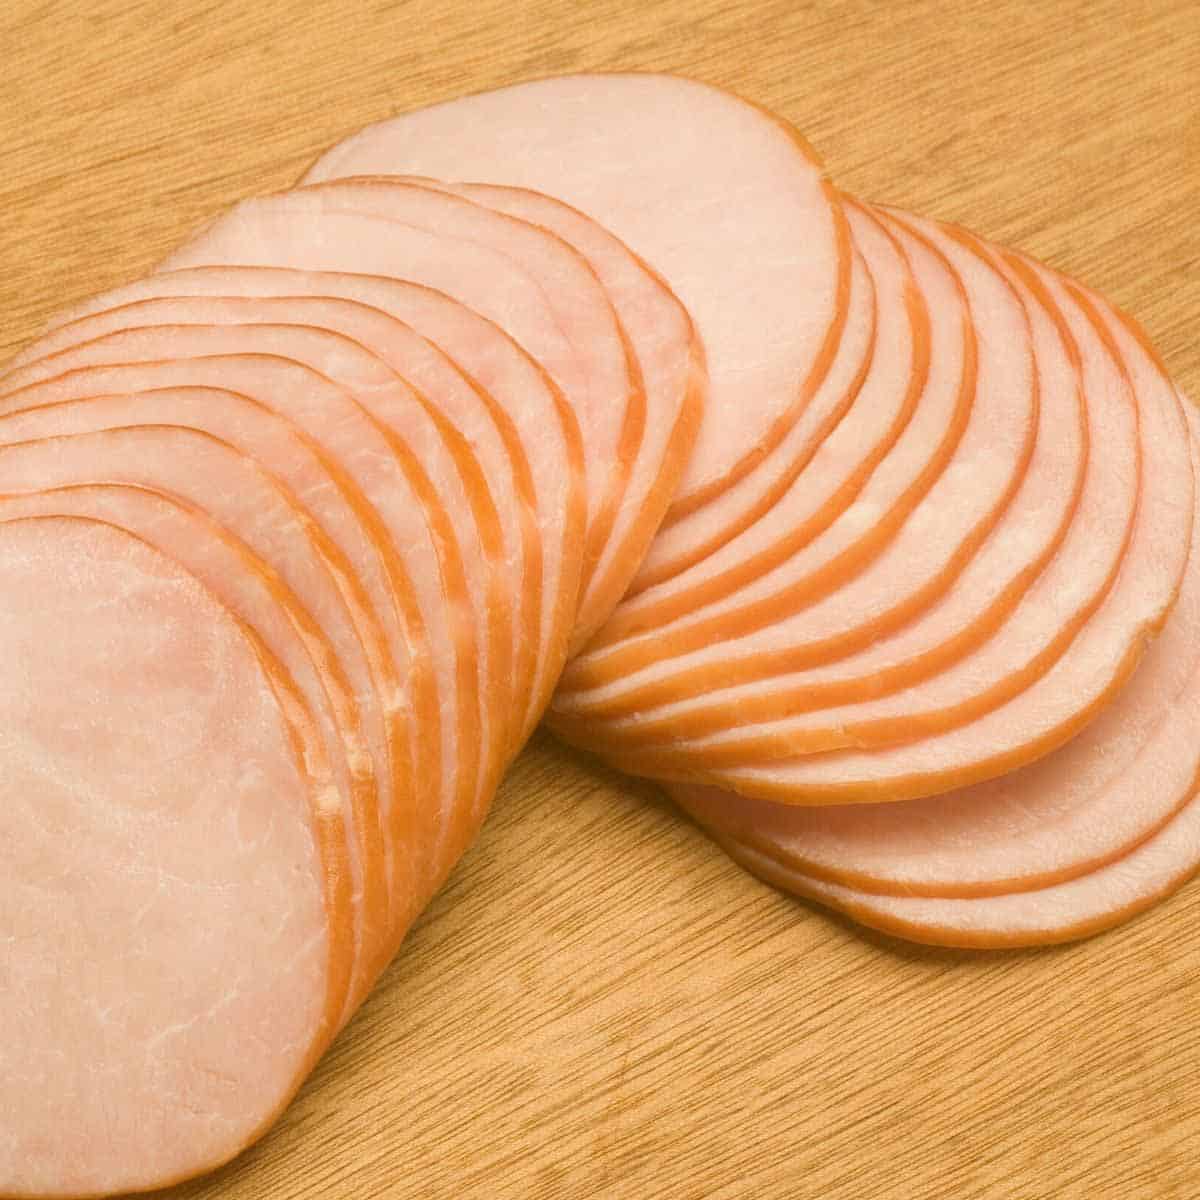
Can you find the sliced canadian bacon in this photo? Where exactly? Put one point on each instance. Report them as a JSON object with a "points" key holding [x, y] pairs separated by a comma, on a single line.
{"points": [[1063, 912], [173, 905], [688, 538], [398, 504], [565, 320], [508, 407], [351, 583], [657, 438], [817, 606], [364, 358], [184, 465], [969, 666], [817, 467], [348, 234], [256, 596], [1093, 669], [767, 289], [1073, 812]]}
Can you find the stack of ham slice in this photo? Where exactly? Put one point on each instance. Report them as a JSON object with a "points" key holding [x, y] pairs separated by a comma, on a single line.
{"points": [[594, 393]]}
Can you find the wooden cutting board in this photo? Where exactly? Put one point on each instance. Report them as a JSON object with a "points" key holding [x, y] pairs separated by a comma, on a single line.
{"points": [[600, 1004]]}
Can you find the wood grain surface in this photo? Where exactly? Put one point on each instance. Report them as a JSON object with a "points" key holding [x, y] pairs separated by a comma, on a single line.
{"points": [[599, 1004]]}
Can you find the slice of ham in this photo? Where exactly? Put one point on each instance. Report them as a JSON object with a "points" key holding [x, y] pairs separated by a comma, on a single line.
{"points": [[362, 418], [688, 538], [1084, 680], [1071, 813], [657, 440], [536, 286], [767, 288], [817, 467], [176, 944], [807, 612], [493, 574], [1078, 908], [507, 407], [182, 464], [969, 665]]}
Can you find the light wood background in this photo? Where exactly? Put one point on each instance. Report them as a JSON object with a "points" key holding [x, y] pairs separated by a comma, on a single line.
{"points": [[599, 1004]]}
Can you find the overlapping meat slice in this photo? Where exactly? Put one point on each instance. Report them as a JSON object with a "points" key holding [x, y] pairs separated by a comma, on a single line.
{"points": [[1093, 668], [657, 437], [487, 388], [807, 612], [349, 228], [666, 582], [177, 947], [1071, 813], [952, 663], [763, 269], [185, 465], [443, 457], [366, 420]]}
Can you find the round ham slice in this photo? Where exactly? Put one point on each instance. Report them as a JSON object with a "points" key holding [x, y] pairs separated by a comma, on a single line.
{"points": [[1084, 680], [175, 946], [342, 230], [259, 599], [766, 290], [182, 464], [506, 408], [817, 467], [657, 440], [361, 416], [493, 575], [1073, 812], [1064, 912], [807, 611], [1076, 546]]}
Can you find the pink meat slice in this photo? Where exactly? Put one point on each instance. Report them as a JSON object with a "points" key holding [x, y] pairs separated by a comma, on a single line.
{"points": [[763, 269], [544, 293], [172, 948], [806, 613], [658, 436], [538, 439], [493, 574], [361, 415], [283, 497], [1077, 549], [276, 231], [808, 477], [1071, 813], [182, 464], [259, 599], [1063, 912], [1085, 679]]}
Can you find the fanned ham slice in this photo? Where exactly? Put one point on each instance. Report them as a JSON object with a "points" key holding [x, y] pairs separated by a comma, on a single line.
{"points": [[362, 418], [657, 437], [819, 465], [182, 464], [1076, 548], [1078, 908], [444, 456], [565, 320], [805, 612], [1088, 675], [313, 228], [198, 988], [507, 408], [1071, 813], [767, 288]]}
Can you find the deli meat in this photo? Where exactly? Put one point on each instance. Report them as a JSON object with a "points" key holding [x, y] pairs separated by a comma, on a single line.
{"points": [[591, 398]]}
